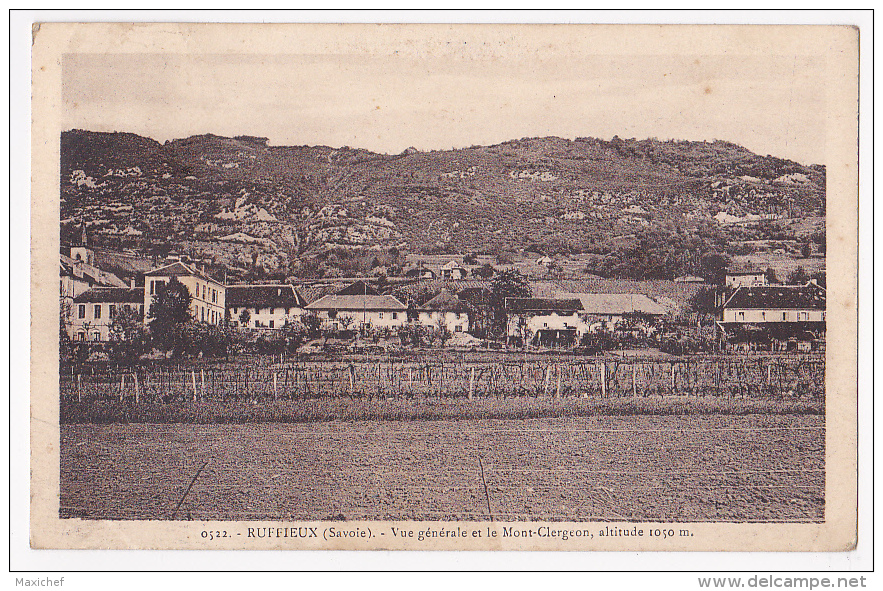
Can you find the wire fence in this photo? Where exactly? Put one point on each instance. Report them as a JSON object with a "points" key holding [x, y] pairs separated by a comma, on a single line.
{"points": [[760, 377]]}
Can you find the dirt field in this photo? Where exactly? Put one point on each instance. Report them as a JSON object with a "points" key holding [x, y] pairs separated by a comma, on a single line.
{"points": [[634, 468]]}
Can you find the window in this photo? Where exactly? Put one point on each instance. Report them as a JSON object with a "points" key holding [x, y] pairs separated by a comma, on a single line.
{"points": [[803, 316], [380, 315], [97, 314], [152, 287], [784, 315], [141, 309], [763, 315], [741, 315], [272, 323], [81, 311], [395, 315], [823, 316], [81, 336], [458, 328], [112, 311], [214, 296]]}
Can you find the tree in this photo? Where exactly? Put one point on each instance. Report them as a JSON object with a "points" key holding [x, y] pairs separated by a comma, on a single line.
{"points": [[798, 276], [443, 333], [244, 317], [713, 267], [703, 301], [508, 284], [486, 271], [470, 259], [770, 275], [169, 314], [806, 250], [128, 338]]}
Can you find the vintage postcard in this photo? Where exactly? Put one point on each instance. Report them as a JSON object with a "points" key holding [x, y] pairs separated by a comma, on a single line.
{"points": [[444, 287]]}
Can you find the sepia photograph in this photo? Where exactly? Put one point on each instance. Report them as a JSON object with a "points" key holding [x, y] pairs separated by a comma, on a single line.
{"points": [[449, 276]]}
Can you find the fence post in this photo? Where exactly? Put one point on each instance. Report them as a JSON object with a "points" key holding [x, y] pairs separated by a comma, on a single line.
{"points": [[79, 389], [558, 385], [673, 378], [275, 389], [122, 385], [193, 379], [137, 388], [602, 370], [635, 380], [202, 382]]}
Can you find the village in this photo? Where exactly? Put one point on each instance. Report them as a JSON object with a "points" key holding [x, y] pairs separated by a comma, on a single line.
{"points": [[454, 302]]}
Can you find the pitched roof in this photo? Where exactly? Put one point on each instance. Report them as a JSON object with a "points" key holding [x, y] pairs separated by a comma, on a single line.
{"points": [[778, 297], [311, 293], [542, 305], [616, 303], [358, 288], [263, 296], [357, 302], [111, 295], [178, 269], [445, 301]]}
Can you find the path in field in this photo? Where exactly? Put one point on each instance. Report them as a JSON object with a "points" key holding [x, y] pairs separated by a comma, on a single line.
{"points": [[667, 468]]}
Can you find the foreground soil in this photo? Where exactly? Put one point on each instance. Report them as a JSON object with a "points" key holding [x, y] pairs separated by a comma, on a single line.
{"points": [[613, 468]]}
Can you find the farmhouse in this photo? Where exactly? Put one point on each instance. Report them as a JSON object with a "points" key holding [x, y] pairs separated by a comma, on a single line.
{"points": [[745, 279], [208, 295], [445, 309], [606, 310], [552, 322], [779, 318], [359, 311], [453, 270], [263, 306], [94, 310]]}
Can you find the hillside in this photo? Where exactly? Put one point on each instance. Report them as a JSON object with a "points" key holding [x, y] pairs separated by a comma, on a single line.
{"points": [[314, 209]]}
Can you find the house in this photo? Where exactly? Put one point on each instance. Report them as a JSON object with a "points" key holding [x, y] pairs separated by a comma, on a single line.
{"points": [[544, 261], [553, 322], [208, 294], [95, 309], [779, 318], [445, 308], [606, 310], [737, 279], [359, 311], [453, 270], [421, 272], [268, 305]]}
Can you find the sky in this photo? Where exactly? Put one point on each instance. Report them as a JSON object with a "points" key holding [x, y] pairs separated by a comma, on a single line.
{"points": [[770, 104]]}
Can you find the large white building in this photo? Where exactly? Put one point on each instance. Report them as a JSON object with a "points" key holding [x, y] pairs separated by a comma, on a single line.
{"points": [[94, 310], [208, 295], [268, 305], [777, 317], [375, 311], [445, 309], [556, 322]]}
